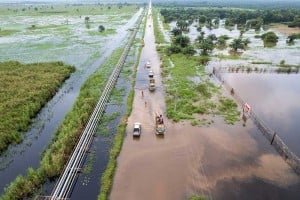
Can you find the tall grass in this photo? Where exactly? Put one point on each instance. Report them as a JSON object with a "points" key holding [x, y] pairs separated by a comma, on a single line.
{"points": [[187, 97], [159, 37], [25, 88]]}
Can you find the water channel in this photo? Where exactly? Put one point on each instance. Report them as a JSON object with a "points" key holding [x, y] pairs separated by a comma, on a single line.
{"points": [[27, 154]]}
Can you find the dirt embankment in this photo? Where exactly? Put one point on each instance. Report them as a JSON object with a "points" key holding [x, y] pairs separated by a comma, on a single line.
{"points": [[284, 29]]}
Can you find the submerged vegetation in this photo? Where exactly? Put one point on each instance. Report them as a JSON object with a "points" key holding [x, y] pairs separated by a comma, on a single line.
{"points": [[69, 9], [108, 174], [197, 197], [25, 88], [242, 17], [190, 94], [270, 39], [68, 132], [291, 38], [7, 32]]}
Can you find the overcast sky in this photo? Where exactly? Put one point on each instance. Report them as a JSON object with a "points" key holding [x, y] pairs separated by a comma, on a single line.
{"points": [[129, 1]]}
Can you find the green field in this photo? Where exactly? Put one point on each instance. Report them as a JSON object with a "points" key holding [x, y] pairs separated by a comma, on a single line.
{"points": [[25, 88]]}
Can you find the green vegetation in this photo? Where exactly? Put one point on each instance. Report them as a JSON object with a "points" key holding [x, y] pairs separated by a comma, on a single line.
{"points": [[102, 33], [187, 97], [291, 38], [254, 23], [261, 63], [103, 129], [285, 65], [231, 56], [295, 22], [25, 88], [189, 91], [89, 162], [270, 39], [255, 18], [229, 108], [70, 10], [159, 37], [197, 197], [7, 32], [108, 175], [68, 132]]}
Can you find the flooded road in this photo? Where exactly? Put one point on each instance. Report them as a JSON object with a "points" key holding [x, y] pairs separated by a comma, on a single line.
{"points": [[27, 154], [220, 161]]}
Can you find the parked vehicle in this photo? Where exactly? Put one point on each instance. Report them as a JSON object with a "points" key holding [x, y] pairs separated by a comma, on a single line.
{"points": [[137, 129], [151, 84], [148, 64], [151, 74]]}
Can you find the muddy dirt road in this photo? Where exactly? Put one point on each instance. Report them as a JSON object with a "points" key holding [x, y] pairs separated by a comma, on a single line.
{"points": [[219, 162]]}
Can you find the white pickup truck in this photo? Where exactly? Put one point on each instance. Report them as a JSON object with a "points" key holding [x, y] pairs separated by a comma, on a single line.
{"points": [[137, 129]]}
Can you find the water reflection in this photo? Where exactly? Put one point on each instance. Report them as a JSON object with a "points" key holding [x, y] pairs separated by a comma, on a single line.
{"points": [[275, 98]]}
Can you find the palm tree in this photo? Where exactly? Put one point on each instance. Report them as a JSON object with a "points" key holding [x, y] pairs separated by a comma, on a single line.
{"points": [[182, 41], [200, 37], [182, 25], [176, 31], [86, 20], [206, 46], [221, 42], [237, 44], [246, 42]]}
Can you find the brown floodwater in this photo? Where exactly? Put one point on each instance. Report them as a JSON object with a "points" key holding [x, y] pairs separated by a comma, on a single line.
{"points": [[220, 161]]}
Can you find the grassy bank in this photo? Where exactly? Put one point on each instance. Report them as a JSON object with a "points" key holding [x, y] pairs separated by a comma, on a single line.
{"points": [[68, 132], [108, 174], [25, 89], [159, 37], [7, 32], [190, 94]]}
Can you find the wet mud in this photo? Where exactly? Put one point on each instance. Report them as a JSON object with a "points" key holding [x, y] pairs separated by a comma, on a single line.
{"points": [[219, 162]]}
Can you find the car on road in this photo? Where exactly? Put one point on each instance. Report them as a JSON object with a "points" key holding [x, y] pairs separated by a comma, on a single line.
{"points": [[148, 64], [152, 84], [151, 74], [137, 129]]}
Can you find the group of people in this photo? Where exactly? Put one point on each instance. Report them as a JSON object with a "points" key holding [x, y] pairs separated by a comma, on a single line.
{"points": [[159, 119]]}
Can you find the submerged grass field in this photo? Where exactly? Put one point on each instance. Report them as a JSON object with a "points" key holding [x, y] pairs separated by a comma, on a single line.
{"points": [[25, 88], [61, 9], [69, 33]]}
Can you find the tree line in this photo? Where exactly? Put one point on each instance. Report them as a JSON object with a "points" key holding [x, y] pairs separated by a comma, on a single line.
{"points": [[249, 18]]}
